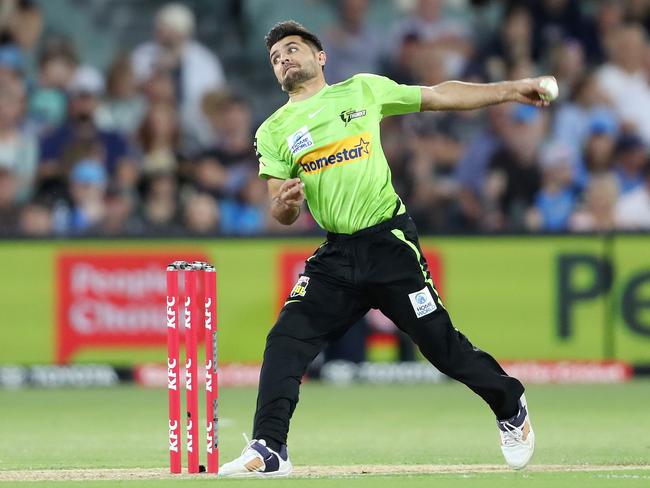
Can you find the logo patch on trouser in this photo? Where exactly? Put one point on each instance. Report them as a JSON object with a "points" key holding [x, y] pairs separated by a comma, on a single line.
{"points": [[300, 288], [422, 302]]}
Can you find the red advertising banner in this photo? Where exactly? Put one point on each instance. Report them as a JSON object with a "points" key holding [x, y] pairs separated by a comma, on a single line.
{"points": [[292, 264], [112, 300]]}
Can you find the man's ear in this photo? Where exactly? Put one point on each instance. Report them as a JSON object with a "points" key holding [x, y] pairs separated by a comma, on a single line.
{"points": [[322, 58]]}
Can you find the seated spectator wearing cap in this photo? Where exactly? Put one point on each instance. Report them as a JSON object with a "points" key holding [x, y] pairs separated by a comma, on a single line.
{"points": [[194, 68], [18, 148], [556, 200], [11, 62], [79, 137], [585, 109], [633, 209], [88, 181], [598, 152], [631, 155]]}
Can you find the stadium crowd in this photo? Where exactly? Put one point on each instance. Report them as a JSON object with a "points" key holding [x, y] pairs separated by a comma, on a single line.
{"points": [[162, 144]]}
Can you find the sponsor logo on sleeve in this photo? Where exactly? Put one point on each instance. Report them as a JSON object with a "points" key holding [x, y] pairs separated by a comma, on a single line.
{"points": [[300, 140], [422, 302]]}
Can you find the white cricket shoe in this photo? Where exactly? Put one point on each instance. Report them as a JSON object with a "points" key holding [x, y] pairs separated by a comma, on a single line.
{"points": [[517, 437], [258, 461]]}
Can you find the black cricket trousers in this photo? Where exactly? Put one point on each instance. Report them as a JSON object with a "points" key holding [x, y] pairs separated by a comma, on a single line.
{"points": [[378, 267]]}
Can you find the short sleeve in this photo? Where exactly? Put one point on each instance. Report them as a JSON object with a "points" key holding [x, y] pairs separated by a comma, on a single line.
{"points": [[394, 99], [271, 164]]}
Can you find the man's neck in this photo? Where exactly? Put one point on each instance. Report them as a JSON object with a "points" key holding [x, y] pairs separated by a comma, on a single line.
{"points": [[307, 89]]}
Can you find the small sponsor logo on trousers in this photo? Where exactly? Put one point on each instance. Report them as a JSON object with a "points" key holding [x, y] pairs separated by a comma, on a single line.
{"points": [[422, 302]]}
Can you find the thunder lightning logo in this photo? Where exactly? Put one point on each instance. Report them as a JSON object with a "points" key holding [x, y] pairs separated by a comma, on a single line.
{"points": [[350, 114]]}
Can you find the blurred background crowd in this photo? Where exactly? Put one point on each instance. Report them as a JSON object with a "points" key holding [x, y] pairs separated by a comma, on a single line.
{"points": [[137, 118]]}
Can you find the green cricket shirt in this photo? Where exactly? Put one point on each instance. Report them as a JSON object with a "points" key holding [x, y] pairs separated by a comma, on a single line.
{"points": [[331, 142]]}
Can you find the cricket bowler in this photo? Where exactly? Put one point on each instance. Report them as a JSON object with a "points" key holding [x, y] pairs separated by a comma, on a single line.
{"points": [[323, 146]]}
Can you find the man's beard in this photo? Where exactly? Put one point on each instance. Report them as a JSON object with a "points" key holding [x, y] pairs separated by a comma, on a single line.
{"points": [[296, 77]]}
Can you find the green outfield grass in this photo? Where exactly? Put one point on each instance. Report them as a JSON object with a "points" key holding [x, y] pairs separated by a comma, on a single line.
{"points": [[378, 425]]}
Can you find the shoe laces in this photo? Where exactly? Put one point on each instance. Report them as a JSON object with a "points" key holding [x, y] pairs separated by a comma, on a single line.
{"points": [[249, 443], [511, 434]]}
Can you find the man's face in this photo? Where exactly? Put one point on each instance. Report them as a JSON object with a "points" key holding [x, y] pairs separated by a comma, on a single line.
{"points": [[294, 62]]}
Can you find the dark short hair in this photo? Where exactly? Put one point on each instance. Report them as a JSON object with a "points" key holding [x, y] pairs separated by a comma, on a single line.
{"points": [[291, 28]]}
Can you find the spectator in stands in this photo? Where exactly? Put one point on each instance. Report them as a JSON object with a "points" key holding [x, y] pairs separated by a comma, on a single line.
{"points": [[223, 169], [351, 44], [631, 155], [35, 218], [18, 148], [623, 79], [638, 11], [607, 18], [119, 217], [79, 138], [160, 209], [158, 138], [597, 212], [194, 69], [21, 24], [246, 213], [11, 63], [201, 214], [88, 181], [555, 21], [633, 209], [473, 165], [159, 88], [428, 22], [123, 108], [598, 155], [47, 103], [514, 176], [555, 201], [567, 60], [585, 109], [512, 44], [9, 208], [402, 65], [231, 120]]}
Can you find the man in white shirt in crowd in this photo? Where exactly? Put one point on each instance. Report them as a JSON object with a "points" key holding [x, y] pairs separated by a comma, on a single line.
{"points": [[194, 68]]}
